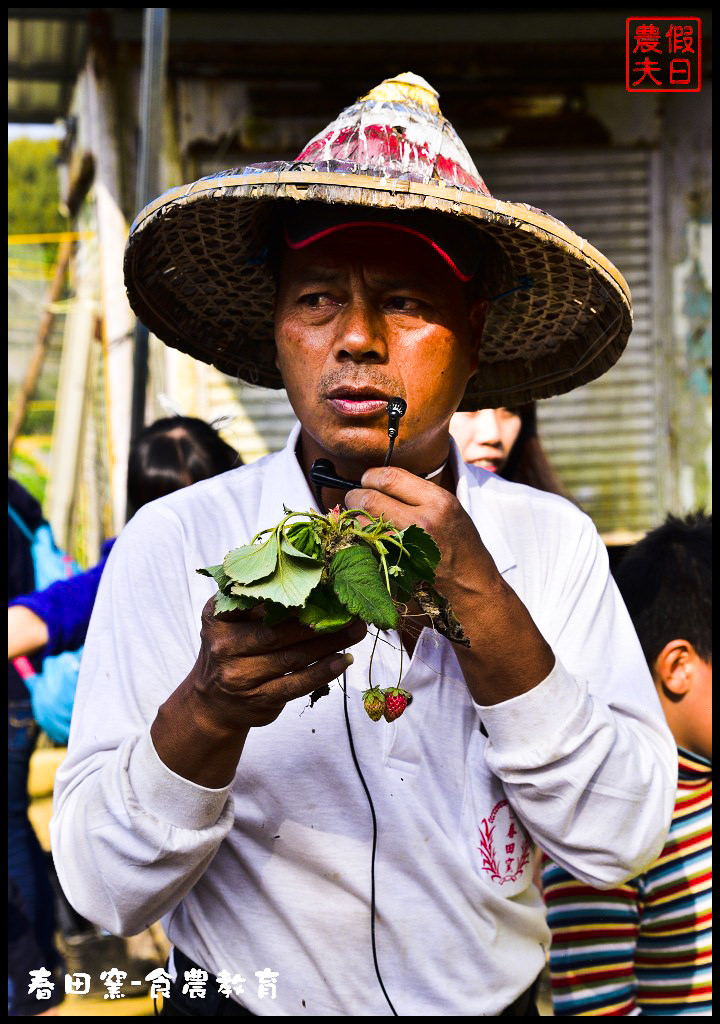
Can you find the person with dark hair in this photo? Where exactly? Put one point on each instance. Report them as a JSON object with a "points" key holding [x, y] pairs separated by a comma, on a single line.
{"points": [[171, 453], [666, 583], [506, 442], [645, 948], [310, 860], [174, 452], [31, 916]]}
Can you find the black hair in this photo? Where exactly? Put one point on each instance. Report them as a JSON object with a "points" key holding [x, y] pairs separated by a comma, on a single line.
{"points": [[666, 582], [527, 462], [175, 452]]}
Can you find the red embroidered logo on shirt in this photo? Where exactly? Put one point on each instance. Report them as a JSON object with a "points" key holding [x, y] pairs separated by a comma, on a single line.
{"points": [[504, 847]]}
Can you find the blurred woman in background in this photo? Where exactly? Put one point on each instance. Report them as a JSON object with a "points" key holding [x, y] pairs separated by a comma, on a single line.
{"points": [[506, 442]]}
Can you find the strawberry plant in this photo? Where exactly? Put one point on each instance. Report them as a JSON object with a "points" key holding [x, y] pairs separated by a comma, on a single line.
{"points": [[330, 569]]}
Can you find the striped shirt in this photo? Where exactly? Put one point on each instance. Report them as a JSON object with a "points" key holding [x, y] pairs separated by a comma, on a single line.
{"points": [[644, 948]]}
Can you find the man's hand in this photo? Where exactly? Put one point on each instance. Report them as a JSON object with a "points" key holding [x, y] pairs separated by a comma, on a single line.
{"points": [[507, 654], [245, 674], [247, 671], [403, 499]]}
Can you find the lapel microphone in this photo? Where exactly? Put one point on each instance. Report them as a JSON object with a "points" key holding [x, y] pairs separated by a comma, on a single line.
{"points": [[322, 471], [396, 408]]}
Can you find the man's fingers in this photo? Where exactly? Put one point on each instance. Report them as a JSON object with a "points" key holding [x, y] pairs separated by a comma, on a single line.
{"points": [[279, 649], [304, 681], [244, 632], [261, 703], [295, 658], [400, 484], [376, 503], [401, 498]]}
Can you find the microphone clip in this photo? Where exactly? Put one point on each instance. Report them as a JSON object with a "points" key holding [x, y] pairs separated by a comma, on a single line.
{"points": [[396, 408]]}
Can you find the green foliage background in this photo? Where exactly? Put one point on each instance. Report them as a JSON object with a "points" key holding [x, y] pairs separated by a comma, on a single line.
{"points": [[33, 198], [33, 192]]}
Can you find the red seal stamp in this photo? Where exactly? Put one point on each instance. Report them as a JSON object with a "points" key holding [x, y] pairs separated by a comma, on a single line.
{"points": [[663, 54], [504, 847]]}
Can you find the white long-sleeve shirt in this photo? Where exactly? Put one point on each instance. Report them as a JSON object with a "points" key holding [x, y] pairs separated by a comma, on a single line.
{"points": [[274, 871]]}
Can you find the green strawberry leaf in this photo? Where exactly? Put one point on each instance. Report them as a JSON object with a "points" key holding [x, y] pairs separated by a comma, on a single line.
{"points": [[217, 573], [324, 611], [357, 580], [417, 564], [252, 561], [304, 537], [288, 548], [421, 550], [231, 603], [290, 584]]}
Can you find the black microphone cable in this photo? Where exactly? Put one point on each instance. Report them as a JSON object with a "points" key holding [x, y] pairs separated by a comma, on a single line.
{"points": [[396, 407], [374, 849]]}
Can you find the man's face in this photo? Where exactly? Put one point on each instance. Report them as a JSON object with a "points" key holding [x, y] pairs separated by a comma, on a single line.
{"points": [[363, 315]]}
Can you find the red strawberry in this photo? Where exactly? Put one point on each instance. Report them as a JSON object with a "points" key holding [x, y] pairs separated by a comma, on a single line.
{"points": [[374, 702], [396, 700]]}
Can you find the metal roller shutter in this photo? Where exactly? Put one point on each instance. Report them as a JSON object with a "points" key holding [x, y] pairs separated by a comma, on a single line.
{"points": [[258, 419], [604, 439]]}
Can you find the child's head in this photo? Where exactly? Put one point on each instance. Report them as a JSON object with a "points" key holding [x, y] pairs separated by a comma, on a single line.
{"points": [[666, 582]]}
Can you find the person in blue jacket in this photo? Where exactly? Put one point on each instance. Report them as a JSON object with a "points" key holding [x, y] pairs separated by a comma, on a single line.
{"points": [[31, 919], [171, 453]]}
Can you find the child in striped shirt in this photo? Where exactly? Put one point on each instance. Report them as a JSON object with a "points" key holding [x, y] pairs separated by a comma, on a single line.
{"points": [[644, 948]]}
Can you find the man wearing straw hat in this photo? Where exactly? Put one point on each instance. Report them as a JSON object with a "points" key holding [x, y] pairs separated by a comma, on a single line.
{"points": [[309, 860]]}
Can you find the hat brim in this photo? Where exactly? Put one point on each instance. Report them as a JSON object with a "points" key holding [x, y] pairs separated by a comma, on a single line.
{"points": [[198, 275]]}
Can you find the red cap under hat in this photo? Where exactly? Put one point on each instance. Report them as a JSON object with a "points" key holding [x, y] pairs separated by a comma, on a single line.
{"points": [[309, 222]]}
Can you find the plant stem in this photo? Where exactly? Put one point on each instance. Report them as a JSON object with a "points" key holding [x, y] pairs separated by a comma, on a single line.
{"points": [[372, 655], [278, 528]]}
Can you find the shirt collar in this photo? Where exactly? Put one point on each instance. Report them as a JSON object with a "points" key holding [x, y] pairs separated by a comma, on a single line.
{"points": [[285, 486], [471, 495]]}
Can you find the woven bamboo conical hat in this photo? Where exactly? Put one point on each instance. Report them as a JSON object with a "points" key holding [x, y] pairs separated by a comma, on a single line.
{"points": [[199, 271]]}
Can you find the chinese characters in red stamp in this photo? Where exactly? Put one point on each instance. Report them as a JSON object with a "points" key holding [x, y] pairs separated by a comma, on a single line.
{"points": [[662, 54]]}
